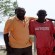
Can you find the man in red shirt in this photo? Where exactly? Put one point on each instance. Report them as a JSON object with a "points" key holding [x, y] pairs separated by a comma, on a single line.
{"points": [[43, 29]]}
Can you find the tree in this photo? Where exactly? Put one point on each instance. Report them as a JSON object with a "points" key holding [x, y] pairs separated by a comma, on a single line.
{"points": [[7, 7]]}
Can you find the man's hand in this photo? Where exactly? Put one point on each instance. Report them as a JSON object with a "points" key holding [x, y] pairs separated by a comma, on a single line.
{"points": [[9, 49], [31, 38], [6, 39]]}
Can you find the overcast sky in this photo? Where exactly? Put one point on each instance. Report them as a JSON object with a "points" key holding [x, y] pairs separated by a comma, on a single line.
{"points": [[32, 6]]}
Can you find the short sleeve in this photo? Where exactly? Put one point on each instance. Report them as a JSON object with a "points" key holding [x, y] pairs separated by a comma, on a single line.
{"points": [[31, 27], [52, 27], [7, 26]]}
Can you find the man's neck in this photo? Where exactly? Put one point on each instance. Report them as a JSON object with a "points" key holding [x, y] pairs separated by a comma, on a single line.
{"points": [[41, 21]]}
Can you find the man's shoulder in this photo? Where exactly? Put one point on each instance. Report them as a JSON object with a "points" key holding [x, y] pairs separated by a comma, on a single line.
{"points": [[49, 21], [10, 20], [32, 19]]}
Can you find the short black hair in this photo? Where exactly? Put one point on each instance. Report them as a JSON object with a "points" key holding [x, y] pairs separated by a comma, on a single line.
{"points": [[41, 12], [18, 9]]}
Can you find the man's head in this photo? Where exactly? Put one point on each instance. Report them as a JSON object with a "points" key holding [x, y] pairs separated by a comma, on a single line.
{"points": [[20, 13], [41, 15]]}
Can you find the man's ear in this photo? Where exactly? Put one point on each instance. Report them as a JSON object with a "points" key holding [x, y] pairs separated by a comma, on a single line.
{"points": [[46, 15]]}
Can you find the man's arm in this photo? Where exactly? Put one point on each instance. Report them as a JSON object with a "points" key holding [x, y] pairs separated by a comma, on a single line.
{"points": [[6, 39], [31, 27], [52, 29], [53, 33], [50, 19], [6, 35]]}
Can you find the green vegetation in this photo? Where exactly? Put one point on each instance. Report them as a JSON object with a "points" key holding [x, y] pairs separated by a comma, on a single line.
{"points": [[7, 7]]}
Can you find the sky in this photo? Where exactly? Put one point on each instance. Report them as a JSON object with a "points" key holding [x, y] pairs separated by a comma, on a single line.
{"points": [[32, 7]]}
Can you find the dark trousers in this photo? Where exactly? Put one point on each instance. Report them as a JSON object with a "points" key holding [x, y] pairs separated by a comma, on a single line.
{"points": [[21, 51]]}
